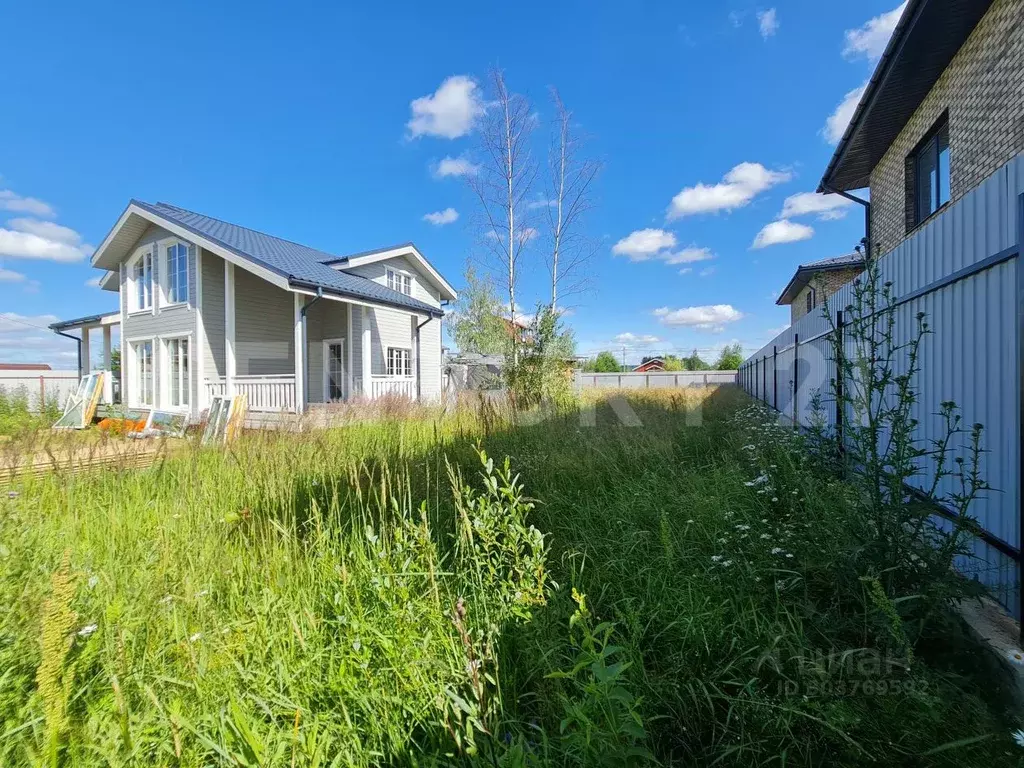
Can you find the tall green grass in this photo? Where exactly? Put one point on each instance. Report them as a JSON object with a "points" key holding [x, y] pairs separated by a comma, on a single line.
{"points": [[394, 594]]}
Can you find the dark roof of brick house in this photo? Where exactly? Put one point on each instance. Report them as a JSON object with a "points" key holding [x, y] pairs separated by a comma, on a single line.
{"points": [[925, 40], [805, 272]]}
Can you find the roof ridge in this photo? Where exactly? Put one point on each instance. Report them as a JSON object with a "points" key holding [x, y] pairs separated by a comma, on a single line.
{"points": [[242, 226]]}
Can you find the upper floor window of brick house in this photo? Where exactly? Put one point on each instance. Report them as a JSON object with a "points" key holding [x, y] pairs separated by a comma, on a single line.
{"points": [[812, 299], [928, 186]]}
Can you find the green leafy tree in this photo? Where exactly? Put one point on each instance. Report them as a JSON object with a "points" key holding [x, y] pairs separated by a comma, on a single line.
{"points": [[477, 324], [605, 362], [731, 358], [695, 363], [541, 371], [673, 363]]}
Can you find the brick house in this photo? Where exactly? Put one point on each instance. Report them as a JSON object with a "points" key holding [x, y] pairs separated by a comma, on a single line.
{"points": [[938, 140], [813, 283], [942, 112]]}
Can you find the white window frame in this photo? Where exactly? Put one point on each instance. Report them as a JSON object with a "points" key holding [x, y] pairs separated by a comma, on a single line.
{"points": [[398, 280], [132, 284], [326, 366], [391, 370], [135, 399], [165, 273], [167, 370]]}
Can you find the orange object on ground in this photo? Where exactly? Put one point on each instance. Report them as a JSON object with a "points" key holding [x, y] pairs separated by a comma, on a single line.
{"points": [[121, 426]]}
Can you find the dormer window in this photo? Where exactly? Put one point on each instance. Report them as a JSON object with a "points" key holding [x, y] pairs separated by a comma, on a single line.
{"points": [[399, 281]]}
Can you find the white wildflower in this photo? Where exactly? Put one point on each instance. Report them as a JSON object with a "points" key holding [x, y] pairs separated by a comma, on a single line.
{"points": [[166, 600], [87, 630], [196, 637], [765, 536], [203, 593], [760, 480], [689, 522], [716, 558], [356, 645], [789, 554], [93, 581], [742, 527], [775, 498], [1015, 656], [1018, 737], [726, 563], [778, 551]]}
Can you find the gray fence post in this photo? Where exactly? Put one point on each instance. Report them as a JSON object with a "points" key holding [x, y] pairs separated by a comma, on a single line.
{"points": [[796, 376], [764, 379], [775, 377]]}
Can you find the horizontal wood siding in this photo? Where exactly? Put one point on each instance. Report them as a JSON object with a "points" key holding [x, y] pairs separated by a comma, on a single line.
{"points": [[326, 319], [264, 327], [377, 271], [430, 360], [357, 350], [389, 328], [213, 316]]}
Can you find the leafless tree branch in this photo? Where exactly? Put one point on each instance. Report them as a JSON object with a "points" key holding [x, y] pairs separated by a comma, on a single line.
{"points": [[571, 181]]}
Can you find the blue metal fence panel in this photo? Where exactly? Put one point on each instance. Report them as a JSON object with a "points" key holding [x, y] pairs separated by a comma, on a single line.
{"points": [[970, 355]]}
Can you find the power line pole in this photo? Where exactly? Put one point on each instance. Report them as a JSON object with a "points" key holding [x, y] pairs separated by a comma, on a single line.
{"points": [[623, 358]]}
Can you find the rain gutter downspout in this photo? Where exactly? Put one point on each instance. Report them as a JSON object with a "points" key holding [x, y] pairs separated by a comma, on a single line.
{"points": [[419, 364], [75, 339], [305, 345], [867, 215]]}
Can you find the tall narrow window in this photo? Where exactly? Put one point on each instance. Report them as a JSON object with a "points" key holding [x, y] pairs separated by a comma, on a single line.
{"points": [[142, 279], [930, 166], [178, 384], [144, 371], [177, 273]]}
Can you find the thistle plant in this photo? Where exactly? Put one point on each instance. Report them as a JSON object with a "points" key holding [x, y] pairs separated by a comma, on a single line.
{"points": [[900, 479]]}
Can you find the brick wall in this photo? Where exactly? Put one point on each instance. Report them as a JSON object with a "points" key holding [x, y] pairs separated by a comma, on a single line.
{"points": [[983, 91], [826, 283]]}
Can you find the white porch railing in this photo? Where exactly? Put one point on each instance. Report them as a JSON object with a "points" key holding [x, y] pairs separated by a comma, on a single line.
{"points": [[401, 386], [263, 393]]}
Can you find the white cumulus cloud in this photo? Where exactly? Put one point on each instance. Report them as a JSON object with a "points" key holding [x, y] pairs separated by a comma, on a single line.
{"points": [[644, 244], [740, 185], [9, 201], [17, 244], [768, 22], [836, 124], [455, 166], [660, 244], [9, 276], [713, 317], [448, 113], [93, 282], [47, 230], [825, 207], [636, 340], [440, 218], [870, 39], [782, 231]]}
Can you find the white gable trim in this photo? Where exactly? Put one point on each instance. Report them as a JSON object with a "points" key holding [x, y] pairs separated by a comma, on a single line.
{"points": [[270, 276], [408, 251]]}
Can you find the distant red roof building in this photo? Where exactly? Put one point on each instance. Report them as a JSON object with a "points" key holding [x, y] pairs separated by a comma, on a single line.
{"points": [[24, 367], [654, 364]]}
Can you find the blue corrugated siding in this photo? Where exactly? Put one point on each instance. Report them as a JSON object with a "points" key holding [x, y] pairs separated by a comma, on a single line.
{"points": [[971, 356]]}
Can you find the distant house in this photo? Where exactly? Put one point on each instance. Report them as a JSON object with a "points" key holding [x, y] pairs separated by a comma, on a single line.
{"points": [[650, 366], [211, 308], [812, 283], [24, 367]]}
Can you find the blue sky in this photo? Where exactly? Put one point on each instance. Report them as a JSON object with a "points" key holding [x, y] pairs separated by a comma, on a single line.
{"points": [[299, 120]]}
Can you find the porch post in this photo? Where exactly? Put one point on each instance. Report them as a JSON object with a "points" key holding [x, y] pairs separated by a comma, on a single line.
{"points": [[367, 357], [86, 359], [229, 328], [349, 343], [108, 377], [300, 354]]}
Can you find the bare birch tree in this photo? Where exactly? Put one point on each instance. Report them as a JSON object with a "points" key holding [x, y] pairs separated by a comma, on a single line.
{"points": [[570, 182], [503, 185]]}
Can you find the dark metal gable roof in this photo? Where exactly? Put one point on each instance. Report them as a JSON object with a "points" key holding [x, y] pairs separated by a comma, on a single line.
{"points": [[805, 272], [925, 40], [302, 266]]}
